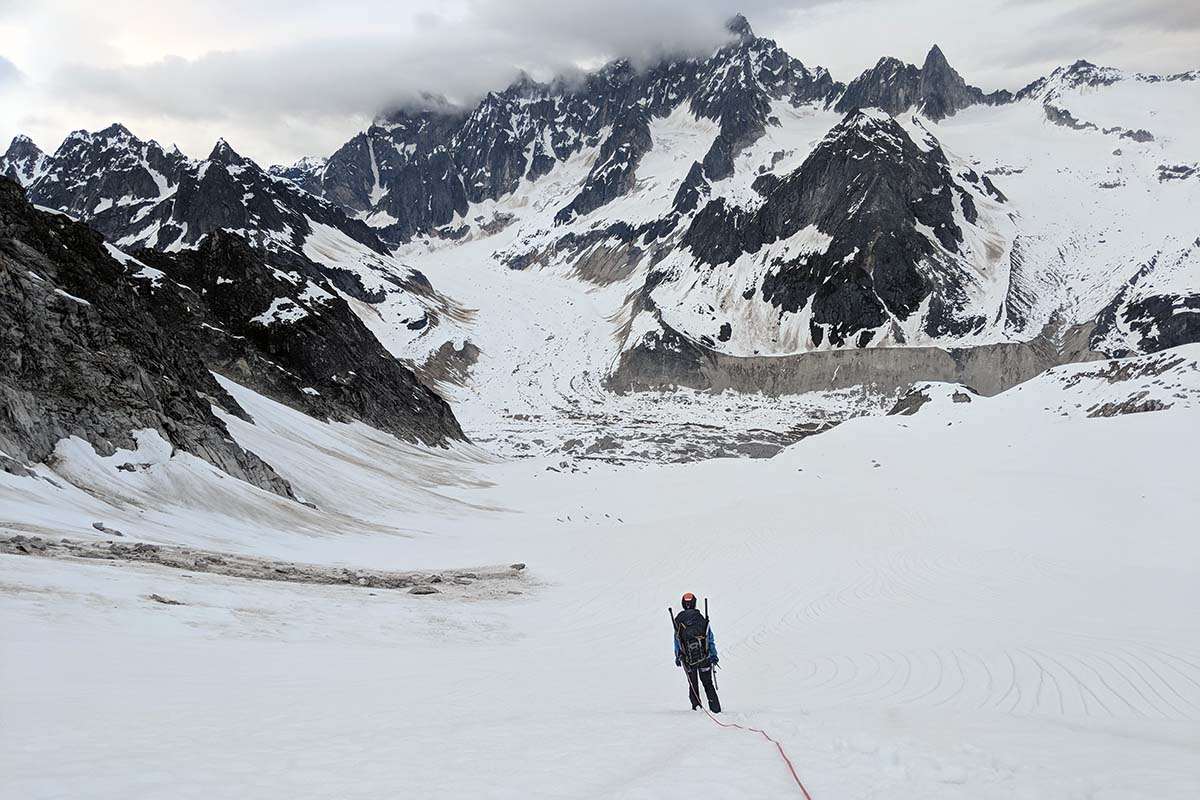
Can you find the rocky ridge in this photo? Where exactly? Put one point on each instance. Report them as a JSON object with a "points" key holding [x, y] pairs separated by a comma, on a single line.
{"points": [[85, 357], [283, 330], [934, 89]]}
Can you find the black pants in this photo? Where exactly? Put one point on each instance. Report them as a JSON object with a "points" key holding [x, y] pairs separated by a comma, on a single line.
{"points": [[706, 677]]}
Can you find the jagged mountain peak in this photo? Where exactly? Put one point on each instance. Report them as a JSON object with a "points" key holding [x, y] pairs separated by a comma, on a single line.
{"points": [[24, 161], [865, 242], [942, 91], [864, 121], [867, 136], [1065, 78], [935, 59], [891, 85], [309, 162], [1085, 73], [21, 146], [115, 138], [885, 62], [935, 89], [618, 71], [116, 130], [525, 86], [223, 153]]}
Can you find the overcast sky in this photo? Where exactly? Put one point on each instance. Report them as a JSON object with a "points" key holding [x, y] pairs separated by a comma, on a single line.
{"points": [[285, 78]]}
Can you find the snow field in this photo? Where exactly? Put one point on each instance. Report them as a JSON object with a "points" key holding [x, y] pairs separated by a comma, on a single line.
{"points": [[985, 600]]}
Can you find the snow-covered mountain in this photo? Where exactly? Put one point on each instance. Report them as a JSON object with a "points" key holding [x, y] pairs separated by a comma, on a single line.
{"points": [[738, 221], [109, 348], [695, 182], [141, 195], [24, 161]]}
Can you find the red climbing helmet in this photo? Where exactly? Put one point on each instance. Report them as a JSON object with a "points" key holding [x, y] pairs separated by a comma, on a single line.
{"points": [[689, 600]]}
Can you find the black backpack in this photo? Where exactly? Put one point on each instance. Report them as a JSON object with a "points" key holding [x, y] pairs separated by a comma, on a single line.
{"points": [[691, 628]]}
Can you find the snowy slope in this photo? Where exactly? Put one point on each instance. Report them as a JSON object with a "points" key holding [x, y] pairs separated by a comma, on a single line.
{"points": [[1077, 240], [1097, 208], [955, 644]]}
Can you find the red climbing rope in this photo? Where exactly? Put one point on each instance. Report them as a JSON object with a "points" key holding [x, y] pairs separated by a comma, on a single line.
{"points": [[765, 735]]}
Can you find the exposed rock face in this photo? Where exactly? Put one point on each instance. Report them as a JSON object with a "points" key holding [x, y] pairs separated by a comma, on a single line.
{"points": [[1145, 318], [879, 237], [872, 191], [283, 330], [81, 355], [24, 161], [305, 173], [925, 392], [934, 89], [139, 195], [109, 178], [890, 85], [673, 361], [1081, 73], [397, 174], [943, 92], [308, 350], [415, 169]]}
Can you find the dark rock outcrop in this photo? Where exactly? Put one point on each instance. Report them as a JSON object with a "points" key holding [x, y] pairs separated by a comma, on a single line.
{"points": [[870, 188], [1144, 319], [943, 92], [913, 400], [934, 89], [139, 195], [282, 329], [83, 356], [310, 351], [305, 173], [890, 85], [24, 161], [415, 169]]}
